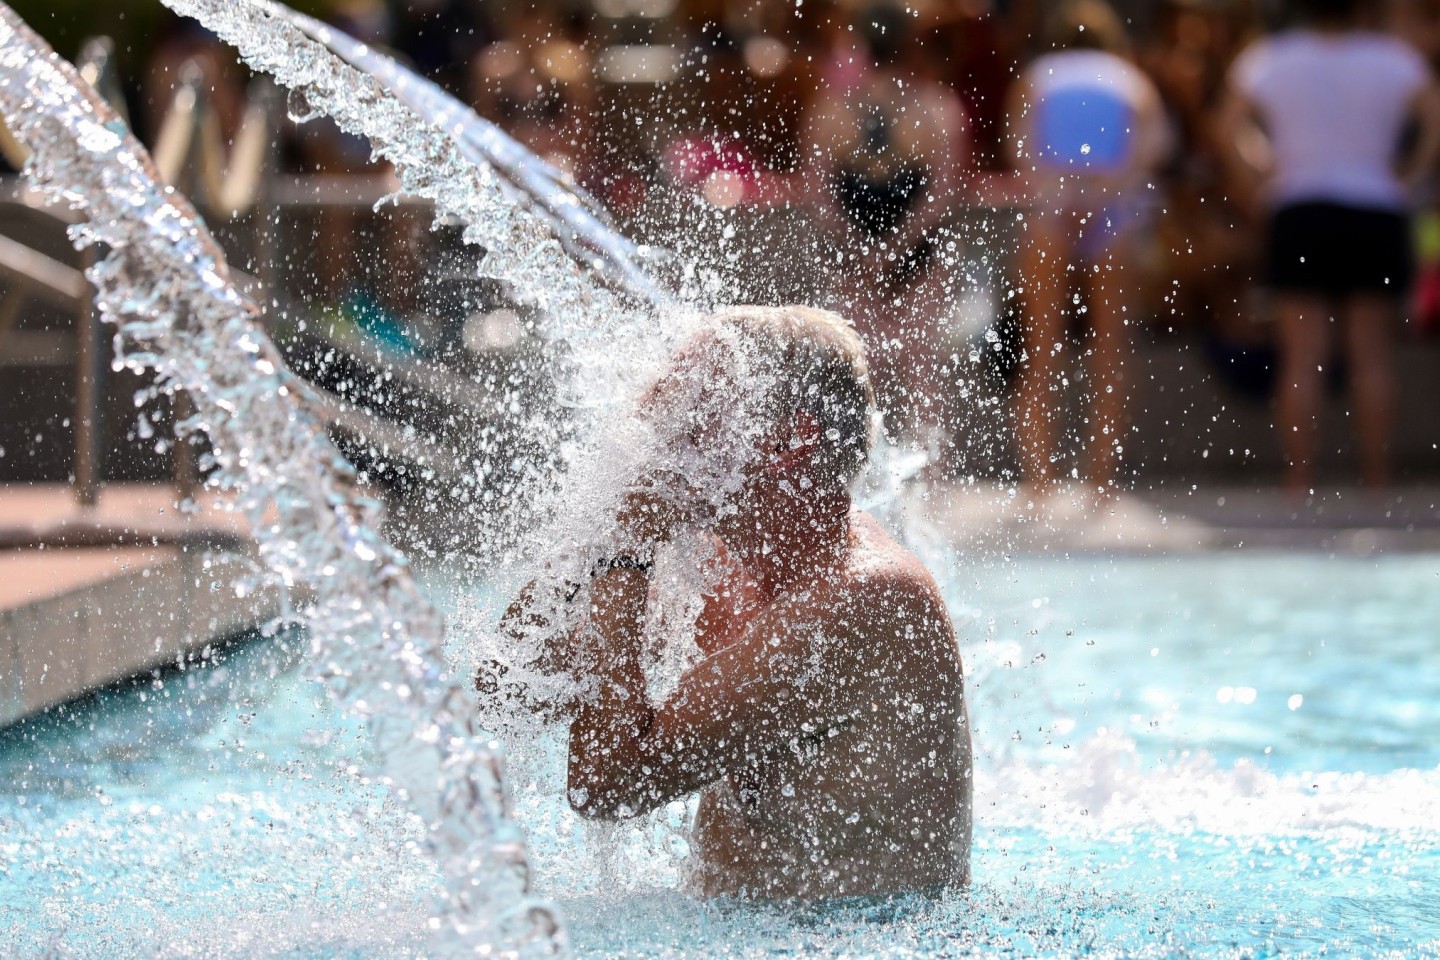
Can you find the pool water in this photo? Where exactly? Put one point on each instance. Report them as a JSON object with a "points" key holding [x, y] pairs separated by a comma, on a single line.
{"points": [[1226, 755]]}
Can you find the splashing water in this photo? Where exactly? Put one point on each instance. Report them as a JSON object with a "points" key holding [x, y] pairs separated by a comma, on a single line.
{"points": [[589, 460], [587, 324], [376, 640], [576, 219]]}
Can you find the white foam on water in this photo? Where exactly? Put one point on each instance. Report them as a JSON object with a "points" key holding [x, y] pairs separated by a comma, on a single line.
{"points": [[1106, 787]]}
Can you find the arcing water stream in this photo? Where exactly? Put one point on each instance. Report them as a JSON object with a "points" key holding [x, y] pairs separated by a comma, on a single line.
{"points": [[163, 283]]}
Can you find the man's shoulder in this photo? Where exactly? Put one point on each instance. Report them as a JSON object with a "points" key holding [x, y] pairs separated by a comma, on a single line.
{"points": [[884, 575], [888, 609]]}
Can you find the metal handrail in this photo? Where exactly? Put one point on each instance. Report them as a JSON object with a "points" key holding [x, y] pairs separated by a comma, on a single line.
{"points": [[29, 269], [96, 65], [191, 147]]}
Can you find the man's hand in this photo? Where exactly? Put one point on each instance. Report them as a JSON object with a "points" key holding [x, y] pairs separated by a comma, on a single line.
{"points": [[655, 507], [536, 622], [489, 677], [619, 714]]}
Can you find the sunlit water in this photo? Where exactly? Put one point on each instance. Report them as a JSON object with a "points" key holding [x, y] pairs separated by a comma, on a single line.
{"points": [[1215, 756], [164, 287]]}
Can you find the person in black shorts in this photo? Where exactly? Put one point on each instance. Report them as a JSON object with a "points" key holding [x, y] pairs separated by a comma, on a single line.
{"points": [[1335, 250], [1339, 122]]}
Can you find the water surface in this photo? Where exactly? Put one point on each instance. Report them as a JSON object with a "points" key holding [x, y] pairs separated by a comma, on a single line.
{"points": [[1215, 756]]}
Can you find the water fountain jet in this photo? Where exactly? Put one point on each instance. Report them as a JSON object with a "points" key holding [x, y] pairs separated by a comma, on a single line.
{"points": [[164, 284]]}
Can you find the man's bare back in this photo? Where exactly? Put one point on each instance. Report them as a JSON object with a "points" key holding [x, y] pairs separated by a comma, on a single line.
{"points": [[878, 798]]}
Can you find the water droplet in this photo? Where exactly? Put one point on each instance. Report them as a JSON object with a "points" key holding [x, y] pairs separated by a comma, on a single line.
{"points": [[299, 106]]}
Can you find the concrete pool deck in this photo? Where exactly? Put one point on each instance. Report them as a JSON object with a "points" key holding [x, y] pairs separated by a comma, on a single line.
{"points": [[988, 516], [93, 595]]}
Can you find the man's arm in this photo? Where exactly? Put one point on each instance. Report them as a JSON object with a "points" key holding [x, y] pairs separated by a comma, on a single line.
{"points": [[547, 617], [1246, 155], [1155, 138], [795, 672]]}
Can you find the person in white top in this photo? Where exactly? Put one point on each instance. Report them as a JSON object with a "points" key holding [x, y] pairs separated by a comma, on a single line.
{"points": [[1087, 130], [1333, 125]]}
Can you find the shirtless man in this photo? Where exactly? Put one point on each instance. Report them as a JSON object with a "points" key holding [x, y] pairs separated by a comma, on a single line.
{"points": [[825, 727]]}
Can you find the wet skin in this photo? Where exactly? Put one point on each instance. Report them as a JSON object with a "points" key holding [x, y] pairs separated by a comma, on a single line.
{"points": [[825, 727], [860, 783]]}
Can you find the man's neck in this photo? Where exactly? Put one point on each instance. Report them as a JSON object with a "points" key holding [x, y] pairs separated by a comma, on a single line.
{"points": [[799, 545]]}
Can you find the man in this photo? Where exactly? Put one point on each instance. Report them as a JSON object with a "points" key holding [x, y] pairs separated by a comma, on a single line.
{"points": [[825, 726]]}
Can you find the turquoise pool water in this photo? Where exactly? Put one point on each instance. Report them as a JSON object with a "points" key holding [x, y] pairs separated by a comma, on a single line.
{"points": [[1214, 756]]}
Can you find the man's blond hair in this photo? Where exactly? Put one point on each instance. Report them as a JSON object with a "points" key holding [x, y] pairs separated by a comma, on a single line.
{"points": [[817, 363]]}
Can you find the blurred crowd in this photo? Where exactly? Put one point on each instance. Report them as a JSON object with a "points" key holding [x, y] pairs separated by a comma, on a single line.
{"points": [[1257, 174]]}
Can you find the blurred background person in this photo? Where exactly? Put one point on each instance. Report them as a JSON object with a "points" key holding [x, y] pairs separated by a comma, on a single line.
{"points": [[883, 157], [535, 82], [1195, 270], [325, 149], [1335, 124], [180, 43], [971, 52], [1087, 133]]}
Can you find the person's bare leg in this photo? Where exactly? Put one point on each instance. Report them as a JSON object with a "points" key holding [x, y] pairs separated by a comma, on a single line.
{"points": [[1109, 354], [864, 302], [1370, 349], [1039, 405], [923, 304], [1304, 331]]}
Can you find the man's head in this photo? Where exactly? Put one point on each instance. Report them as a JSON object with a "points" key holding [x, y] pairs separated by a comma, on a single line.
{"points": [[812, 384], [765, 400]]}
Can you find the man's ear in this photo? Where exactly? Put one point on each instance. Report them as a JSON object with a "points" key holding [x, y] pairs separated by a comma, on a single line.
{"points": [[804, 439]]}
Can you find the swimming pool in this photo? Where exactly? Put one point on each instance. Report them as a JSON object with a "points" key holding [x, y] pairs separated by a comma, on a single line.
{"points": [[1221, 755]]}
